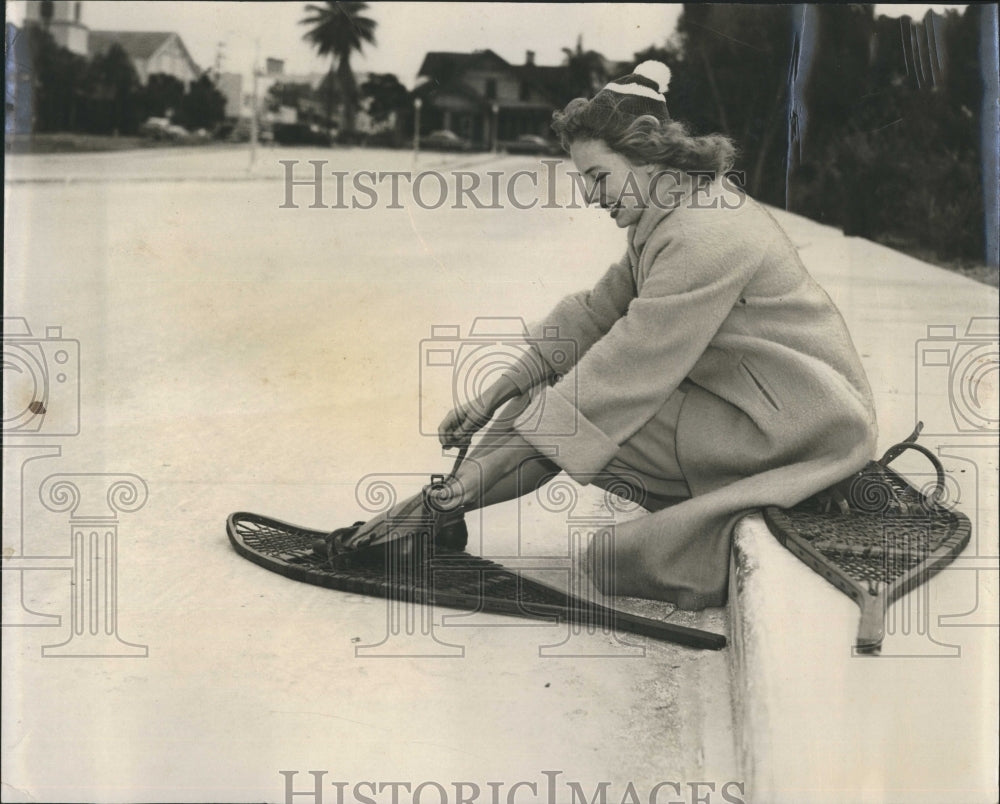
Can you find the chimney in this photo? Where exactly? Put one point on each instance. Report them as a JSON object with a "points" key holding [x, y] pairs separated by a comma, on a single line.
{"points": [[529, 58]]}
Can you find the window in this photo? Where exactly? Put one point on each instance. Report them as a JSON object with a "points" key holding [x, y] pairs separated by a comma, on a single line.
{"points": [[491, 89], [76, 11], [525, 93]]}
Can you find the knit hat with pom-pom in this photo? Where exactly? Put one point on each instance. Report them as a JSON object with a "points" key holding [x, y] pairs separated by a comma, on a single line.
{"points": [[640, 92]]}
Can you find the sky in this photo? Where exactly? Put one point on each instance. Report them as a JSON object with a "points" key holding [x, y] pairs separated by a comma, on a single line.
{"points": [[241, 31], [405, 32]]}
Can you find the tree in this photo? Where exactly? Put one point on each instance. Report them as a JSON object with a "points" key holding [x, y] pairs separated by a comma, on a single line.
{"points": [[112, 89], [56, 81], [733, 79], [203, 106], [587, 71], [338, 30], [386, 94], [162, 95], [892, 149], [295, 95], [329, 94]]}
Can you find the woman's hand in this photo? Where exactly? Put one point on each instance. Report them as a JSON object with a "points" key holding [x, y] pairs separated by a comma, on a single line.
{"points": [[467, 419]]}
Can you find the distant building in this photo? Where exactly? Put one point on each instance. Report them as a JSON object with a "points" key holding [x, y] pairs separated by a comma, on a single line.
{"points": [[150, 51], [231, 87], [62, 19], [471, 93], [481, 96], [238, 90]]}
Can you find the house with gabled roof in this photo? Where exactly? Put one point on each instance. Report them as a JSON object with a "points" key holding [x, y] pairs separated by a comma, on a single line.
{"points": [[150, 51], [482, 97]]}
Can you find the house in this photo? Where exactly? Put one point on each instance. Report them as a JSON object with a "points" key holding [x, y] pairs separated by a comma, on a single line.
{"points": [[151, 52], [482, 97]]}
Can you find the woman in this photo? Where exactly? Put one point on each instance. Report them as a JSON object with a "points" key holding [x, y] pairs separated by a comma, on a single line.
{"points": [[712, 373]]}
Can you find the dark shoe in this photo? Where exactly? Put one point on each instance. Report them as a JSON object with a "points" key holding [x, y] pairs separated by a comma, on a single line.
{"points": [[334, 542], [412, 537]]}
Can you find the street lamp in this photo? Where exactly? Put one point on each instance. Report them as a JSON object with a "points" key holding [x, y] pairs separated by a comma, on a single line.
{"points": [[417, 103]]}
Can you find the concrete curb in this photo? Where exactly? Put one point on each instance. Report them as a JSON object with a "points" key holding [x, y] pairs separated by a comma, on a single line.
{"points": [[816, 725]]}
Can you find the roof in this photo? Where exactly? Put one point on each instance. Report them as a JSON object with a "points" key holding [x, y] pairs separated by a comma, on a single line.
{"points": [[551, 81], [443, 66], [138, 44], [443, 71]]}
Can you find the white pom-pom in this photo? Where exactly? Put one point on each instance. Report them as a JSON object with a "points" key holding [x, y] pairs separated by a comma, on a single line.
{"points": [[655, 71]]}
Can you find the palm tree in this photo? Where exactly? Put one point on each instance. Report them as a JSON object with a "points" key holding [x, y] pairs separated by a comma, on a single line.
{"points": [[337, 30]]}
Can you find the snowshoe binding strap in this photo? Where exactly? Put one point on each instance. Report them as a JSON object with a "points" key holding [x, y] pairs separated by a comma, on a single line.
{"points": [[870, 490], [445, 526]]}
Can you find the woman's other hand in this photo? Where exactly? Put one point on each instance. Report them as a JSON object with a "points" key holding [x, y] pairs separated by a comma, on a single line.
{"points": [[468, 418]]}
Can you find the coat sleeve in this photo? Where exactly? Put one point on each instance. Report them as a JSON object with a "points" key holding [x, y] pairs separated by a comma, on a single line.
{"points": [[557, 343], [695, 278]]}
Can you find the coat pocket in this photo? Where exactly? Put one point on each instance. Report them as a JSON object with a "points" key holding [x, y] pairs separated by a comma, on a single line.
{"points": [[755, 377]]}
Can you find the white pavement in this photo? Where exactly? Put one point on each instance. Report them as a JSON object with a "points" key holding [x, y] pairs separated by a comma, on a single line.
{"points": [[236, 355]]}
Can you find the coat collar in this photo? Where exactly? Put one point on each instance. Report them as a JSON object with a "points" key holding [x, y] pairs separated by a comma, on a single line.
{"points": [[656, 211]]}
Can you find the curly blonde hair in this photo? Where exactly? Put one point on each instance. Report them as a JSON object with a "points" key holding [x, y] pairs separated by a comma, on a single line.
{"points": [[642, 140]]}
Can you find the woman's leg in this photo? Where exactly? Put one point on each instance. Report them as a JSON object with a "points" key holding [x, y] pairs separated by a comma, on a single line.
{"points": [[501, 467]]}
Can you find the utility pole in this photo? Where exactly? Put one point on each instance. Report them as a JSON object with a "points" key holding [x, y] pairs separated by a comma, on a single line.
{"points": [[254, 109], [220, 57], [417, 103]]}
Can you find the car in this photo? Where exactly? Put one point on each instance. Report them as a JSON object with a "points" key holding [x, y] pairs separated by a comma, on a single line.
{"points": [[444, 140], [532, 144], [300, 134], [160, 128]]}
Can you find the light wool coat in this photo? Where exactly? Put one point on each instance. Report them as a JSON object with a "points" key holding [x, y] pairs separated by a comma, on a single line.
{"points": [[777, 405]]}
